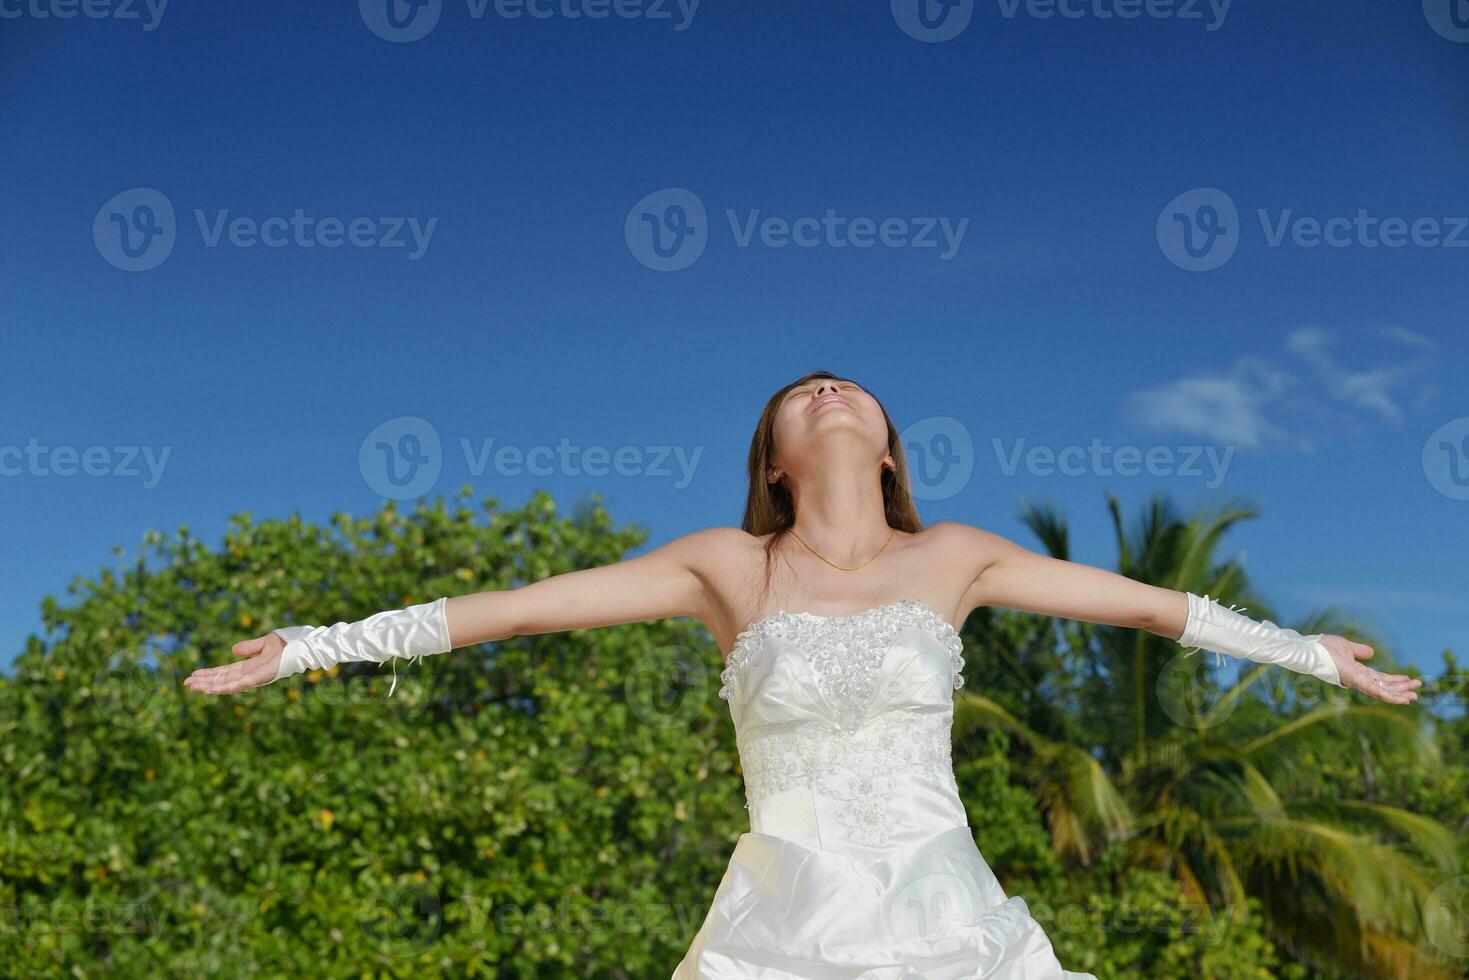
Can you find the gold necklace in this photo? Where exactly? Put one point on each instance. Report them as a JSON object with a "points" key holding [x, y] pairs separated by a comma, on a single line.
{"points": [[834, 564]]}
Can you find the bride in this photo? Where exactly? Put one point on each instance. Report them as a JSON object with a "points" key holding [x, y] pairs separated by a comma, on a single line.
{"points": [[837, 613]]}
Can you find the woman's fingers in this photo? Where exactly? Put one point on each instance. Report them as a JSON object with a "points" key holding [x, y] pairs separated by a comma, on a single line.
{"points": [[231, 678], [1392, 688], [1359, 676], [221, 681], [210, 680], [261, 659]]}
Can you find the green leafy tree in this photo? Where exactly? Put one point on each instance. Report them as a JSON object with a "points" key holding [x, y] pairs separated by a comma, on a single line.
{"points": [[558, 805], [1219, 783]]}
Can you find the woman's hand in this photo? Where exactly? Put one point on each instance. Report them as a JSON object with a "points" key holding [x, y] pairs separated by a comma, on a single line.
{"points": [[263, 657], [1392, 688]]}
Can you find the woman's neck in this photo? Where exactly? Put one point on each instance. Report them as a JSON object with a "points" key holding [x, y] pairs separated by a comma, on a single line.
{"points": [[841, 513]]}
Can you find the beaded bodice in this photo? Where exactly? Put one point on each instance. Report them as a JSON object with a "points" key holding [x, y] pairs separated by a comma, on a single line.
{"points": [[843, 724]]}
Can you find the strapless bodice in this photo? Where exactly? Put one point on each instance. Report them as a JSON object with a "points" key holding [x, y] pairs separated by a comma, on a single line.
{"points": [[859, 863], [843, 725]]}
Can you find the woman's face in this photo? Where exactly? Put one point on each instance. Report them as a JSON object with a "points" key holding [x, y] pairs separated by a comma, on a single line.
{"points": [[816, 409]]}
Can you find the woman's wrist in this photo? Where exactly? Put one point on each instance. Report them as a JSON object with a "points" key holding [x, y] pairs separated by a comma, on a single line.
{"points": [[1210, 626], [414, 631]]}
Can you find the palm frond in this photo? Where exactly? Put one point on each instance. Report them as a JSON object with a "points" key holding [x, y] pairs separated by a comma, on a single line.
{"points": [[1080, 786], [1048, 524], [1429, 837]]}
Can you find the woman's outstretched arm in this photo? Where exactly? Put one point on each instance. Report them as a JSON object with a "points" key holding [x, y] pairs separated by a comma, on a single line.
{"points": [[661, 584], [1010, 576], [665, 582]]}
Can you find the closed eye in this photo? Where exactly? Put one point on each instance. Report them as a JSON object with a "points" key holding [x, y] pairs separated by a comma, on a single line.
{"points": [[811, 389]]}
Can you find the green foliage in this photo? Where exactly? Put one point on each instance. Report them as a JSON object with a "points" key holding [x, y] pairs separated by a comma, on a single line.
{"points": [[558, 805], [1112, 920], [1265, 795]]}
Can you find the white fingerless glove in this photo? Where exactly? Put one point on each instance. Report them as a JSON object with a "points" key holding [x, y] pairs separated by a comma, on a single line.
{"points": [[1213, 627], [417, 631]]}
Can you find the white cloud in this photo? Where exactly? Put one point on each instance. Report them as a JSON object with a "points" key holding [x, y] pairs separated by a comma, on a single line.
{"points": [[1365, 389], [1238, 406], [1227, 408], [1410, 338]]}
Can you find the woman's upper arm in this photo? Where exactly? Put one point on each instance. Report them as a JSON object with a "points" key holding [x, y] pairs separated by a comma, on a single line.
{"points": [[1014, 577], [667, 581]]}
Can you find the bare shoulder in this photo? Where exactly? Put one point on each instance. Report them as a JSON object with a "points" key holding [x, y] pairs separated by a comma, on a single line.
{"points": [[965, 552], [719, 556], [962, 540], [715, 544], [727, 561]]}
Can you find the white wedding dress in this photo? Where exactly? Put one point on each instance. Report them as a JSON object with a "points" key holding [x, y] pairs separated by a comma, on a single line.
{"points": [[859, 863]]}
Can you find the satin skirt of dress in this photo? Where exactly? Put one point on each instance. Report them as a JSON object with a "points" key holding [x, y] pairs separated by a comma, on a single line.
{"points": [[931, 910]]}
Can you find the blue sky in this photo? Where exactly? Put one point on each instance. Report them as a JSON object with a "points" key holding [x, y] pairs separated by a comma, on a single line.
{"points": [[1037, 234]]}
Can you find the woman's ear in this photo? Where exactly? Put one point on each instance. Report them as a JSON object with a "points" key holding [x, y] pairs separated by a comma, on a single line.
{"points": [[772, 474]]}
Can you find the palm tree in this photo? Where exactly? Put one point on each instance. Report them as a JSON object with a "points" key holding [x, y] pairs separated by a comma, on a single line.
{"points": [[1216, 782]]}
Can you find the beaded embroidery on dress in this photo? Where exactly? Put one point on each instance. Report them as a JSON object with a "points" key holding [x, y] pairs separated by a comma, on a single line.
{"points": [[859, 863]]}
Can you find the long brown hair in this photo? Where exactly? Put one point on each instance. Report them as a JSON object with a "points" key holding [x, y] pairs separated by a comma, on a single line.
{"points": [[769, 507]]}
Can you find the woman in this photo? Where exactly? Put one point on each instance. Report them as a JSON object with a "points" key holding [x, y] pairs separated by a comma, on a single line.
{"points": [[837, 612]]}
